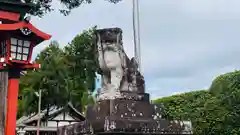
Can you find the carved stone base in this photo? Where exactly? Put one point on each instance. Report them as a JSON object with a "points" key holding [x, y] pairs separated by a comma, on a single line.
{"points": [[107, 96], [126, 95], [125, 117]]}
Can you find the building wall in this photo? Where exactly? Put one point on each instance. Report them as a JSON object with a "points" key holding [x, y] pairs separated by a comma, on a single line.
{"points": [[59, 117]]}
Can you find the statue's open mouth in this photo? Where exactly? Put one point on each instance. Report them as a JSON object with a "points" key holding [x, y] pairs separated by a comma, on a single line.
{"points": [[109, 36], [109, 41]]}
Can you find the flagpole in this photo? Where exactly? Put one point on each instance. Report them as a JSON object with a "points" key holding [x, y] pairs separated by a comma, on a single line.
{"points": [[138, 37], [134, 29], [136, 33]]}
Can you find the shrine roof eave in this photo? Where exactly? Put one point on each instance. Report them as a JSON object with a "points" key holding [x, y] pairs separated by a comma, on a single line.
{"points": [[9, 15], [23, 24]]}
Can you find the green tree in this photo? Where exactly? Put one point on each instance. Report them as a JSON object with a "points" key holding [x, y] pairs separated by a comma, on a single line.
{"points": [[226, 88], [212, 112], [80, 61], [186, 106], [47, 78], [45, 6], [80, 55], [66, 75]]}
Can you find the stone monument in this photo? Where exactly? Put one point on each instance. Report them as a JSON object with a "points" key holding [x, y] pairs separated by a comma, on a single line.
{"points": [[123, 107]]}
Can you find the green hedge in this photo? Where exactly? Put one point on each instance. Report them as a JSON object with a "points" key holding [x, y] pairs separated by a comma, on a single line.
{"points": [[213, 112], [226, 83]]}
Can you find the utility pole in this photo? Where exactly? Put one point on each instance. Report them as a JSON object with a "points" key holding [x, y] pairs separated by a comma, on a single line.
{"points": [[39, 94]]}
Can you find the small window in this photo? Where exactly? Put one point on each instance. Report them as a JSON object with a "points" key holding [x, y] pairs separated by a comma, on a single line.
{"points": [[13, 55], [24, 57], [13, 48], [14, 41], [25, 50], [20, 42], [20, 49], [26, 44], [3, 49]]}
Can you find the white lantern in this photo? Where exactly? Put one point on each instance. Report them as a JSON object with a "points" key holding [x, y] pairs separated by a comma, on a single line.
{"points": [[19, 49]]}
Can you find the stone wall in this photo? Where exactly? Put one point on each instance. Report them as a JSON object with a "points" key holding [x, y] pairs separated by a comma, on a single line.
{"points": [[3, 100]]}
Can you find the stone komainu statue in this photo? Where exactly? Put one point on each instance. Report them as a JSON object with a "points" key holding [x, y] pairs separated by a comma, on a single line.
{"points": [[132, 113], [119, 73]]}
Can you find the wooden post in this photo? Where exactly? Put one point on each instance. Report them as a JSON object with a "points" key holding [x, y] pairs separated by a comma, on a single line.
{"points": [[3, 100], [12, 102], [39, 111]]}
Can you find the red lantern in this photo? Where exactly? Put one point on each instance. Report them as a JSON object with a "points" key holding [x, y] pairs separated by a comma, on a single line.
{"points": [[18, 37], [17, 42]]}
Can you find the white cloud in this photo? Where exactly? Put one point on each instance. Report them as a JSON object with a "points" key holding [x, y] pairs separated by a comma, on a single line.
{"points": [[185, 44]]}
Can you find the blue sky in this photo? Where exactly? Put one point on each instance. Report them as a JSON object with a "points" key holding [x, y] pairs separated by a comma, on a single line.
{"points": [[185, 44]]}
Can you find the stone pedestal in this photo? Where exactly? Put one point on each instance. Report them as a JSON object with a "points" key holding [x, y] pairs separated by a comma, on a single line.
{"points": [[132, 114]]}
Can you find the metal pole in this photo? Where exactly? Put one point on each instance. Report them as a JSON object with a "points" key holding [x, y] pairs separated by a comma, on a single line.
{"points": [[136, 32], [138, 37], [39, 111]]}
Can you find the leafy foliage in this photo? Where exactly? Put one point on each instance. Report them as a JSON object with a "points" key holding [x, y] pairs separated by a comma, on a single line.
{"points": [[81, 59], [185, 106], [66, 75], [45, 6], [226, 83], [213, 112]]}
